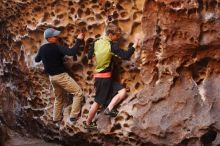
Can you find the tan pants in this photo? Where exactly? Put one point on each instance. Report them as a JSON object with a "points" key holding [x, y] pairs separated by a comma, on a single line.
{"points": [[65, 82]]}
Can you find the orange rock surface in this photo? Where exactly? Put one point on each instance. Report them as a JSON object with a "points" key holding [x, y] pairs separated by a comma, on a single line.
{"points": [[172, 79]]}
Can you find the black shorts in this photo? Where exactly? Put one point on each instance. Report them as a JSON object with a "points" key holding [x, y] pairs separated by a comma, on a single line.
{"points": [[106, 89]]}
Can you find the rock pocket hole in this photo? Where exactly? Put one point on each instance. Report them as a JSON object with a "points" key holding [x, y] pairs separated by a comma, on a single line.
{"points": [[86, 111], [119, 7], [115, 15], [119, 118], [72, 10], [88, 12], [98, 16], [80, 12], [131, 134], [124, 14], [116, 127], [126, 125], [60, 16], [137, 85], [107, 4], [132, 140], [70, 3], [199, 70]]}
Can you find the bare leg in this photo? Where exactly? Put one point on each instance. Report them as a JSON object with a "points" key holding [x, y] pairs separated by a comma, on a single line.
{"points": [[92, 112], [117, 98]]}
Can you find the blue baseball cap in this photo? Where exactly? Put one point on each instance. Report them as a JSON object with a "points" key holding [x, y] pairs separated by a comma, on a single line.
{"points": [[51, 32]]}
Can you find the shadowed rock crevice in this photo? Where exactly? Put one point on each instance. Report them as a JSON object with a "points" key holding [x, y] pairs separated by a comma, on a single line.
{"points": [[208, 137]]}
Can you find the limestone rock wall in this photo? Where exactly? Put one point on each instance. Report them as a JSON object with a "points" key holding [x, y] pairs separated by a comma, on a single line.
{"points": [[172, 79]]}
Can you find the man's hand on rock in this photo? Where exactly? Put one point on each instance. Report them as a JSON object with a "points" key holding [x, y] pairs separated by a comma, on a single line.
{"points": [[81, 36], [136, 42]]}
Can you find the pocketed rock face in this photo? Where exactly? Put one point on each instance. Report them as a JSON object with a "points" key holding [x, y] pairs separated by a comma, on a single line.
{"points": [[172, 80]]}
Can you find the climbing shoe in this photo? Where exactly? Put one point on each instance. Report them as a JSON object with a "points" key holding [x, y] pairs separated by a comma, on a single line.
{"points": [[112, 113], [90, 126], [57, 124], [71, 121]]}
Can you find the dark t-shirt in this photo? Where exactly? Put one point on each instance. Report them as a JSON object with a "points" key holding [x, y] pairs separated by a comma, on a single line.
{"points": [[52, 56]]}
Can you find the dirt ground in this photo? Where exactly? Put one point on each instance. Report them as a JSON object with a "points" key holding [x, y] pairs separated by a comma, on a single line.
{"points": [[19, 140]]}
